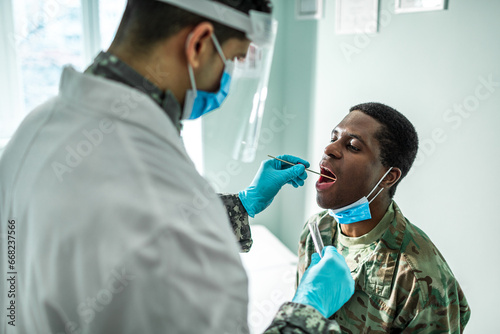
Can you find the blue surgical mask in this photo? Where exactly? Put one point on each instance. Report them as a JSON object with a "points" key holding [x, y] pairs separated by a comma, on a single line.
{"points": [[357, 211], [198, 103]]}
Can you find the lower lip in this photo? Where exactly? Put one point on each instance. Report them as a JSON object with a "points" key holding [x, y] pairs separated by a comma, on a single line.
{"points": [[324, 185]]}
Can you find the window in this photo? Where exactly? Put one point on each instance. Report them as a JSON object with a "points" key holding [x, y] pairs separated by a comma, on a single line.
{"points": [[38, 38], [46, 39], [41, 36], [192, 135], [110, 14]]}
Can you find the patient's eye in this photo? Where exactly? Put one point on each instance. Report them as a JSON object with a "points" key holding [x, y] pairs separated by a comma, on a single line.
{"points": [[353, 148]]}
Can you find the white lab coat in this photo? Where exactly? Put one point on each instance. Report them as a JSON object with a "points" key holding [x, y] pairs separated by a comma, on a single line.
{"points": [[116, 232]]}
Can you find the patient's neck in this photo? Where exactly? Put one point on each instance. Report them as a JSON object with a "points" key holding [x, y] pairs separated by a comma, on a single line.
{"points": [[378, 208]]}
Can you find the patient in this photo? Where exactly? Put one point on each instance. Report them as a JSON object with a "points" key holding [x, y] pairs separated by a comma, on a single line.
{"points": [[403, 283]]}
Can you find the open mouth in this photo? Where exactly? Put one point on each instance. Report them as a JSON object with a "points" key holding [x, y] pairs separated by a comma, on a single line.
{"points": [[327, 177]]}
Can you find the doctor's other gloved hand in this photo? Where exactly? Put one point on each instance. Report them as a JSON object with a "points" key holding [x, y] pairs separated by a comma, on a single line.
{"points": [[272, 175], [327, 284]]}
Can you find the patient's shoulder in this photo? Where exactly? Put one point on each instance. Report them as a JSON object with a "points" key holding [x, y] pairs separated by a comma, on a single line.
{"points": [[420, 250], [322, 218], [416, 246], [429, 268]]}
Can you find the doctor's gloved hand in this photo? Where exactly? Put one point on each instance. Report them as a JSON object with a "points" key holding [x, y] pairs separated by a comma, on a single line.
{"points": [[272, 175], [327, 284]]}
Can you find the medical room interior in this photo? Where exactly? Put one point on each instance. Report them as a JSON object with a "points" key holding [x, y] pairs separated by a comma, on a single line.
{"points": [[440, 67]]}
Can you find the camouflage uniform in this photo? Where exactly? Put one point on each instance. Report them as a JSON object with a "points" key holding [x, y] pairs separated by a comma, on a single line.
{"points": [[238, 217], [404, 285], [292, 318]]}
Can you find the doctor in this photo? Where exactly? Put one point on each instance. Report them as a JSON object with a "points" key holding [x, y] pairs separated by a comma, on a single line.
{"points": [[115, 231]]}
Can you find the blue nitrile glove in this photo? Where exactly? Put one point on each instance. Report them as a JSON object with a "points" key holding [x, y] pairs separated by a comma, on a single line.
{"points": [[327, 284], [272, 175]]}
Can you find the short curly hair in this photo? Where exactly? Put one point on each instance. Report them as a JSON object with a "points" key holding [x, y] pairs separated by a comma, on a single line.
{"points": [[146, 22], [397, 137]]}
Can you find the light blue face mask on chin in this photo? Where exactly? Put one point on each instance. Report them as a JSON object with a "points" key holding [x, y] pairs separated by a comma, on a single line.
{"points": [[198, 102], [357, 211]]}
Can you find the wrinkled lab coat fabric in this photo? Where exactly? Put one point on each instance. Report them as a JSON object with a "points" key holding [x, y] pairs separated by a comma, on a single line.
{"points": [[116, 232]]}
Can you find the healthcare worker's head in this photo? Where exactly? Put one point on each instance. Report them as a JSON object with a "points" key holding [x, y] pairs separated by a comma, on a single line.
{"points": [[185, 45], [363, 147]]}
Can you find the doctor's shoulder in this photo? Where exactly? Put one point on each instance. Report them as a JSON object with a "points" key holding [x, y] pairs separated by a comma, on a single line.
{"points": [[38, 115]]}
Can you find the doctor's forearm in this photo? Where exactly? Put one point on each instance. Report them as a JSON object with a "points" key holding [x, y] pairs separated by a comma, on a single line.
{"points": [[238, 217], [294, 318]]}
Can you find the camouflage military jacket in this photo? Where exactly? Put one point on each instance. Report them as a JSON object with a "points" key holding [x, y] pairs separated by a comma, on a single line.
{"points": [[292, 318], [404, 286]]}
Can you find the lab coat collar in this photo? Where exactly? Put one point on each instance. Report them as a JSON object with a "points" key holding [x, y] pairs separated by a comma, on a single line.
{"points": [[114, 100], [111, 67], [375, 275]]}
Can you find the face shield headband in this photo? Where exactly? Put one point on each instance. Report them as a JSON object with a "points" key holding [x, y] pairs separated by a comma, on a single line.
{"points": [[259, 27], [250, 77]]}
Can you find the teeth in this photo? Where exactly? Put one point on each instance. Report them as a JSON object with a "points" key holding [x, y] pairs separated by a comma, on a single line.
{"points": [[328, 173]]}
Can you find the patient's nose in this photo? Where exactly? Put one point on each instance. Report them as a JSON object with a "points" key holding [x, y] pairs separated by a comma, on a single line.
{"points": [[333, 150]]}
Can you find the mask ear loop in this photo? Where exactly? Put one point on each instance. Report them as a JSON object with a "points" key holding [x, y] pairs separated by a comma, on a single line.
{"points": [[381, 179]]}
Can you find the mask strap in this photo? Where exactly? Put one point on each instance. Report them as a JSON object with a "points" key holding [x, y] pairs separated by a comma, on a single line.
{"points": [[369, 202], [218, 47], [380, 181], [191, 77]]}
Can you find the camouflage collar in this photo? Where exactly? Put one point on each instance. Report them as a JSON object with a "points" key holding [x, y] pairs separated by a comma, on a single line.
{"points": [[375, 275], [110, 67]]}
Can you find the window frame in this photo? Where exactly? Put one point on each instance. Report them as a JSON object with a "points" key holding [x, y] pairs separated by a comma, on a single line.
{"points": [[91, 29], [10, 82]]}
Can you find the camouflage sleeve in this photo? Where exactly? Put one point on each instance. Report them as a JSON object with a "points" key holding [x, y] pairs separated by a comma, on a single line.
{"points": [[293, 318], [238, 217]]}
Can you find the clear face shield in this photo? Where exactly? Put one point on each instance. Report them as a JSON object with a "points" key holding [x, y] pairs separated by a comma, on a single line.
{"points": [[247, 98], [248, 89]]}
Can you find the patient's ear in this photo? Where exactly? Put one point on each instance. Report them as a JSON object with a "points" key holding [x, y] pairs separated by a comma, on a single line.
{"points": [[391, 178]]}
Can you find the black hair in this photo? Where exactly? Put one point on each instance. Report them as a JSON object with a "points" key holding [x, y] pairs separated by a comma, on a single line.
{"points": [[397, 137], [146, 22]]}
